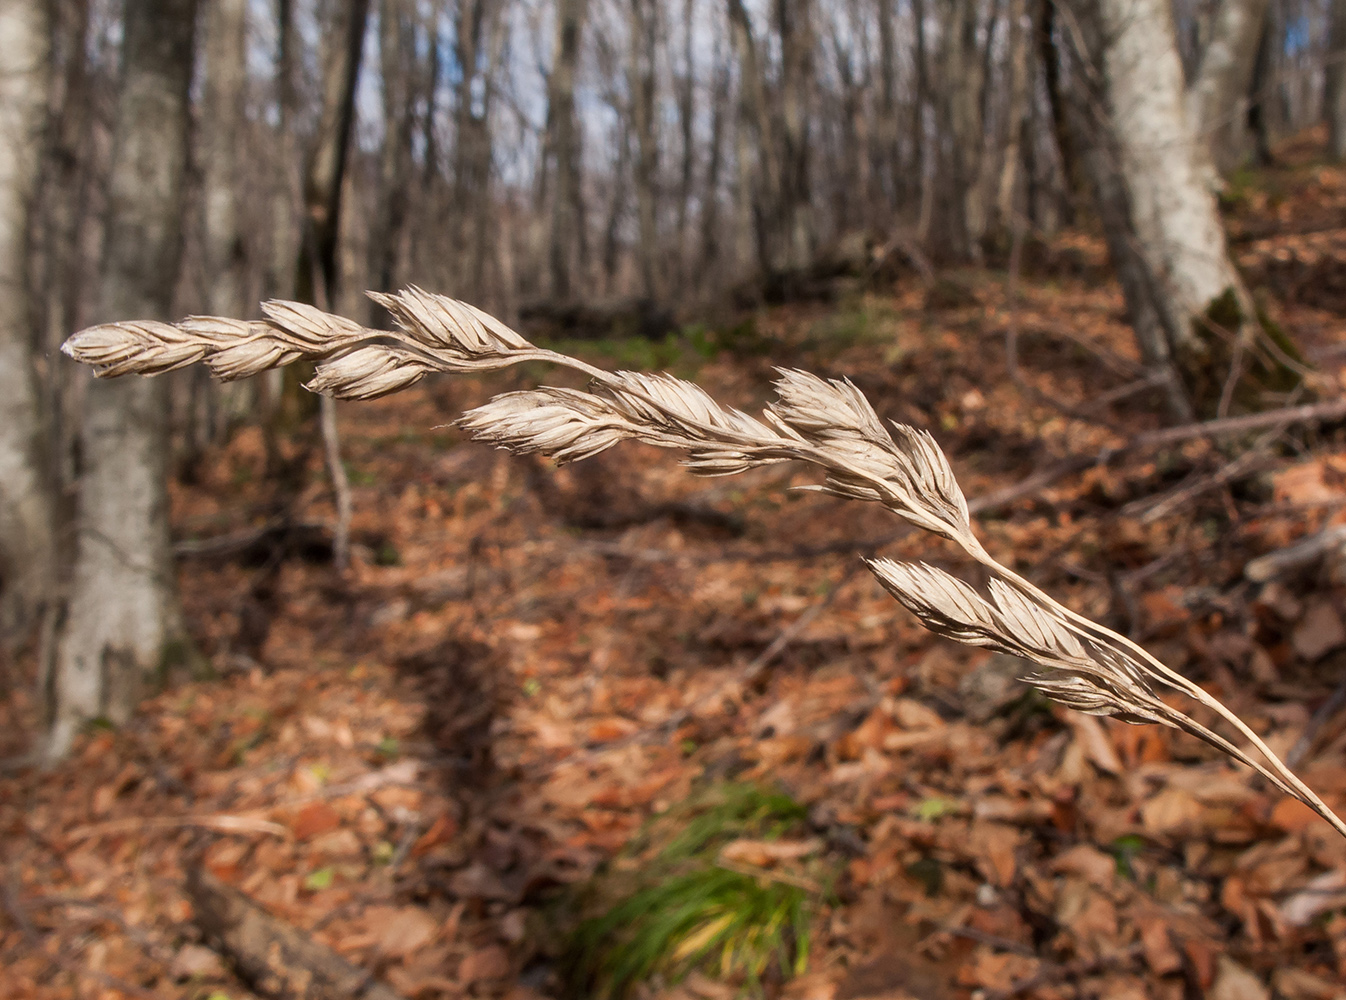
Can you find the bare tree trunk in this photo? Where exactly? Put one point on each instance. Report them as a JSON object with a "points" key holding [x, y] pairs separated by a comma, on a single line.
{"points": [[222, 120], [1051, 53], [710, 199], [123, 624], [1218, 92], [1334, 91], [26, 538], [286, 195], [1152, 174], [224, 251], [894, 180], [794, 24], [640, 80], [758, 170], [397, 47], [1017, 111], [963, 217], [1163, 166], [686, 103], [567, 244], [317, 273]]}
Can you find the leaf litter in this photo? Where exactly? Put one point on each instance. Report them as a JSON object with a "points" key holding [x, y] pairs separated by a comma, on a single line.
{"points": [[413, 764]]}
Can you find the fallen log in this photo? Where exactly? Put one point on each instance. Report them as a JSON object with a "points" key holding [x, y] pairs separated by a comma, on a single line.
{"points": [[275, 958]]}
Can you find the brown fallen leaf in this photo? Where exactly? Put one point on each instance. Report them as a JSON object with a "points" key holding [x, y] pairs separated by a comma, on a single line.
{"points": [[491, 962], [764, 853], [1234, 982], [1097, 745], [403, 930], [1319, 632]]}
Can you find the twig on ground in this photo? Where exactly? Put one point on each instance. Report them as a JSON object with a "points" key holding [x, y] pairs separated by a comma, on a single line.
{"points": [[221, 824], [1334, 704], [1301, 555]]}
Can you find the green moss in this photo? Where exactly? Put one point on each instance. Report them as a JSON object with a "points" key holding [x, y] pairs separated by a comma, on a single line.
{"points": [[1206, 366]]}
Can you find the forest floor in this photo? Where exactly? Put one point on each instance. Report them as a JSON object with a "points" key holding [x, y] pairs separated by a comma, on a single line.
{"points": [[410, 763]]}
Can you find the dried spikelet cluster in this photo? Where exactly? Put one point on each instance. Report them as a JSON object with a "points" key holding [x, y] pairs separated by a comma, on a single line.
{"points": [[826, 422]]}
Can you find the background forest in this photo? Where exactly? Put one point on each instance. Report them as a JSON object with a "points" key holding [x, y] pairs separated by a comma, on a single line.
{"points": [[300, 698]]}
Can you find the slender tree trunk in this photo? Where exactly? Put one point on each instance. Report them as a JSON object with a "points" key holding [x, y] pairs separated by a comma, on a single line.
{"points": [[224, 250], [686, 102], [897, 181], [1334, 91], [710, 198], [794, 24], [317, 272], [123, 623], [1261, 90], [1017, 111], [1052, 54], [1218, 92], [397, 47], [477, 37], [963, 216], [221, 127], [758, 171], [640, 81], [26, 539], [566, 256]]}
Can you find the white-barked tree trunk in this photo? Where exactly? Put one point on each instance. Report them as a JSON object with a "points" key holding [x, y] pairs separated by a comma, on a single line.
{"points": [[123, 620], [26, 553]]}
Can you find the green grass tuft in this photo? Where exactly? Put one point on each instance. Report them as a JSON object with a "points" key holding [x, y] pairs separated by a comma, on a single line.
{"points": [[669, 906]]}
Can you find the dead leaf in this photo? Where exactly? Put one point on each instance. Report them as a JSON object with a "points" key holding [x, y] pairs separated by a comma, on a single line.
{"points": [[491, 962], [314, 819], [1300, 984], [1095, 742], [764, 853], [1157, 943], [1291, 815], [1172, 811], [1319, 632], [404, 930], [1089, 863], [1323, 893], [195, 961], [1234, 982]]}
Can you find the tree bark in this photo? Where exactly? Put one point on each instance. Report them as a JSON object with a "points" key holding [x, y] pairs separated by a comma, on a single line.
{"points": [[26, 536], [478, 46], [316, 273], [640, 81], [1017, 112], [397, 47], [963, 219], [794, 24], [222, 120], [1151, 175], [123, 623], [567, 252], [1218, 93], [1334, 91]]}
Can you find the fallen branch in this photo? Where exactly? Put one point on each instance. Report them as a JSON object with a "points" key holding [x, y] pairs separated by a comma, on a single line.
{"points": [[274, 957], [1301, 555], [135, 824]]}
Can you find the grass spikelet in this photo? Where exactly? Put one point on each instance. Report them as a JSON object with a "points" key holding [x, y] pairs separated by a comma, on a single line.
{"points": [[827, 423]]}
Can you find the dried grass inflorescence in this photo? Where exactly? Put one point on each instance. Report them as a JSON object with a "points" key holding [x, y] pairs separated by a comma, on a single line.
{"points": [[828, 423]]}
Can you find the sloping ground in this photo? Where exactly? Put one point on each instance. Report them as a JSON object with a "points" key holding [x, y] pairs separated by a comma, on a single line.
{"points": [[525, 663]]}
